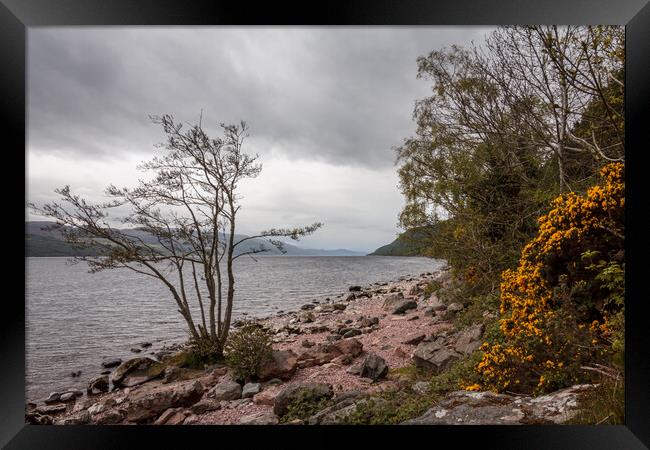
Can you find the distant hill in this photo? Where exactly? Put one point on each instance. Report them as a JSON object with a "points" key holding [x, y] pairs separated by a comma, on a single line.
{"points": [[409, 243], [41, 242]]}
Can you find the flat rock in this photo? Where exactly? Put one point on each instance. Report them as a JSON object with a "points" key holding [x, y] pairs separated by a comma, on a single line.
{"points": [[250, 389], [261, 418], [136, 371], [227, 390], [149, 403], [488, 408], [433, 356], [281, 364]]}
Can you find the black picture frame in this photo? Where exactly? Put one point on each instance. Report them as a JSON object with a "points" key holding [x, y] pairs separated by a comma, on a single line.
{"points": [[18, 15]]}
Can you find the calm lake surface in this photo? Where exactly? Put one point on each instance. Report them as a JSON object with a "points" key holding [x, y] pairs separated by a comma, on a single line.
{"points": [[75, 319]]}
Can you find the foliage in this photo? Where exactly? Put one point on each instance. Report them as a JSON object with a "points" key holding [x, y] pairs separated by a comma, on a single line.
{"points": [[396, 406], [202, 350], [508, 127], [560, 308], [604, 404], [304, 406], [246, 349]]}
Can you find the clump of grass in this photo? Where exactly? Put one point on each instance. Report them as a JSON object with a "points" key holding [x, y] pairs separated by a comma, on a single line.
{"points": [[306, 405], [602, 405], [394, 407]]}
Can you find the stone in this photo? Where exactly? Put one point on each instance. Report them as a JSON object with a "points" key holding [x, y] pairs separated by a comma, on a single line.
{"points": [[81, 418], [469, 339], [414, 339], [392, 301], [307, 343], [282, 364], [250, 389], [53, 397], [136, 349], [67, 397], [342, 360], [109, 417], [205, 405], [352, 347], [351, 333], [145, 344], [292, 393], [355, 369], [421, 387], [373, 367], [53, 409], [350, 297], [191, 419], [308, 306], [136, 371], [172, 416], [368, 321], [333, 337], [261, 418], [488, 408], [354, 288], [434, 357], [267, 396], [98, 385], [147, 404], [112, 362], [399, 352], [340, 306], [228, 390], [404, 306]]}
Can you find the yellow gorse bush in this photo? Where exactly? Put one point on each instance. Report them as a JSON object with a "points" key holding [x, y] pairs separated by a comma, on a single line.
{"points": [[527, 307]]}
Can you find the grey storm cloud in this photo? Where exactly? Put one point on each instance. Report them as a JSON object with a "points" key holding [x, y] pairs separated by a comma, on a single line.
{"points": [[325, 106], [337, 94]]}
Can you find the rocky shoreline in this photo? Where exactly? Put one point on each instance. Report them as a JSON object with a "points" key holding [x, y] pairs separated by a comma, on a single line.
{"points": [[337, 350]]}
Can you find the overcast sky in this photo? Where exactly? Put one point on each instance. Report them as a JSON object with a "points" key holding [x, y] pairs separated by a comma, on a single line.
{"points": [[325, 107]]}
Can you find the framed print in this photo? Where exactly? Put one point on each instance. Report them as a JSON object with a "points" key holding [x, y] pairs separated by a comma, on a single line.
{"points": [[367, 219]]}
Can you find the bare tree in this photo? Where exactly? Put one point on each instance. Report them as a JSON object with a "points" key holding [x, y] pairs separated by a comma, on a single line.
{"points": [[180, 228]]}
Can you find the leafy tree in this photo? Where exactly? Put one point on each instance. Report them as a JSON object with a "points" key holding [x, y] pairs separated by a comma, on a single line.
{"points": [[190, 207]]}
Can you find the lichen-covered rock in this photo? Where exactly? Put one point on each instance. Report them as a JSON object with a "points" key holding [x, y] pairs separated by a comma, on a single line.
{"points": [[98, 385], [488, 408], [434, 356], [136, 371]]}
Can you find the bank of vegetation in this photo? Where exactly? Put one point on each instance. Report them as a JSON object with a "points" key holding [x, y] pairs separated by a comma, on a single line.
{"points": [[518, 161]]}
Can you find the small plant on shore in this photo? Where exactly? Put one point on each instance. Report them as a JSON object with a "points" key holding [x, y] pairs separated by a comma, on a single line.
{"points": [[306, 405], [247, 348]]}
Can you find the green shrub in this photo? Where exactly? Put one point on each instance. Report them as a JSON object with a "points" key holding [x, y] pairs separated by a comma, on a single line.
{"points": [[305, 406], [246, 349], [201, 351], [394, 407], [432, 287]]}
